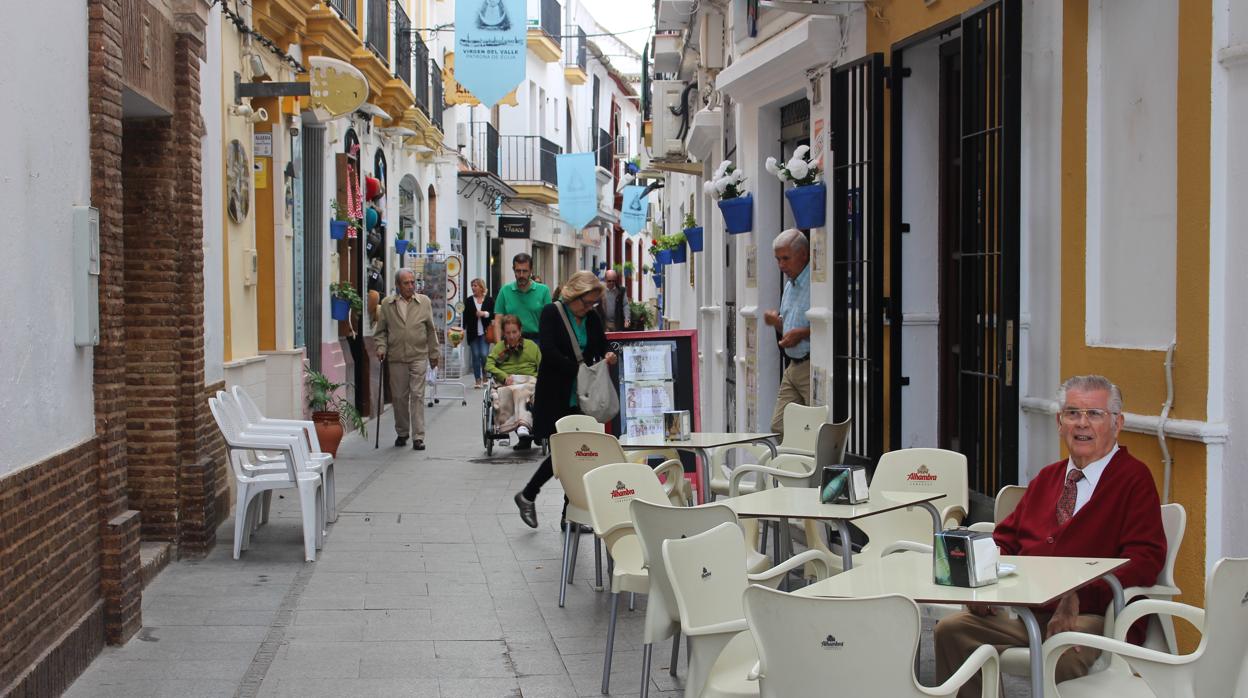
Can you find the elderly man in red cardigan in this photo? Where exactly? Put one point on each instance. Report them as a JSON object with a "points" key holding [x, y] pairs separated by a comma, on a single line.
{"points": [[1099, 502]]}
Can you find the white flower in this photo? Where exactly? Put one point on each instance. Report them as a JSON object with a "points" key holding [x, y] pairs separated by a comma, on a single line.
{"points": [[798, 169], [800, 153], [722, 169], [720, 186], [770, 166], [738, 176], [709, 188]]}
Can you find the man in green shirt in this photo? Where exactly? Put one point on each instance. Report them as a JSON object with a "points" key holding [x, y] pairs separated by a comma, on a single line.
{"points": [[523, 298]]}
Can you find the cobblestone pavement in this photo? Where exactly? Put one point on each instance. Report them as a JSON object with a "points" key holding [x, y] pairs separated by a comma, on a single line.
{"points": [[428, 585]]}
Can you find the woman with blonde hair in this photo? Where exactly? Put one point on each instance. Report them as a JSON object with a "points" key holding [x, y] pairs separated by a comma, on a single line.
{"points": [[555, 396]]}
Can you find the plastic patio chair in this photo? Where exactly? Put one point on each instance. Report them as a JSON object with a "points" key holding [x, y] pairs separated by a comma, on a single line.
{"points": [[1215, 668], [579, 422], [609, 490], [708, 577], [801, 428], [654, 524], [808, 646], [251, 484], [1006, 502]]}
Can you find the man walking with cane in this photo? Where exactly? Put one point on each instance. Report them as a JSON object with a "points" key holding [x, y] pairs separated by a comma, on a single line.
{"points": [[408, 340]]}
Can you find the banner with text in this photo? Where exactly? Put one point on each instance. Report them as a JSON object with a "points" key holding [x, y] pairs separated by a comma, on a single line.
{"points": [[578, 188], [489, 47], [633, 207]]}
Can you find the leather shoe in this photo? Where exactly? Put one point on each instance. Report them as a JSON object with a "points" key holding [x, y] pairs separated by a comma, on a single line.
{"points": [[523, 443], [528, 511], [401, 441], [581, 528], [418, 445]]}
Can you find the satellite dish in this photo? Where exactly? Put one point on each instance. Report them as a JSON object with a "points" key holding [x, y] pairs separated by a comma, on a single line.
{"points": [[338, 88]]}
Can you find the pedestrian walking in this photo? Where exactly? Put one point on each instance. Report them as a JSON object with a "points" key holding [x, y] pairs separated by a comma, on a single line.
{"points": [[479, 325], [792, 251], [525, 297], [407, 340]]}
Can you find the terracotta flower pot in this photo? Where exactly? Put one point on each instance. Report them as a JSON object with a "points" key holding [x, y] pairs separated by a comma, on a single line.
{"points": [[329, 431]]}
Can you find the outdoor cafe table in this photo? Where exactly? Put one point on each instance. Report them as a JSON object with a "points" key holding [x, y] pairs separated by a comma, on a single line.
{"points": [[803, 503], [701, 443], [1036, 582]]}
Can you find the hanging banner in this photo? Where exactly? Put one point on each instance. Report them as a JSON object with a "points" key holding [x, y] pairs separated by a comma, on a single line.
{"points": [[454, 93], [489, 47], [633, 207], [578, 188]]}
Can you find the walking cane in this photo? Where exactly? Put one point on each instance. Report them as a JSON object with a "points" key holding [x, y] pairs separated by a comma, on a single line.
{"points": [[381, 392]]}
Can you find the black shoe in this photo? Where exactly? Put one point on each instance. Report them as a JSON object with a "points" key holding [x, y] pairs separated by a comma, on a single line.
{"points": [[401, 441], [523, 443], [418, 445], [563, 526], [528, 511]]}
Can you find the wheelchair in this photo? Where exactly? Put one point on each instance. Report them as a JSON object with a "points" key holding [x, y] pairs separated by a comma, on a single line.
{"points": [[489, 433]]}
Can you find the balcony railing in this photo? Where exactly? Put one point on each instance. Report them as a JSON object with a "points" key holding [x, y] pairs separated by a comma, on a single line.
{"points": [[345, 8], [551, 14], [377, 35], [575, 50], [420, 56], [403, 45], [605, 149], [483, 151], [435, 107], [528, 160]]}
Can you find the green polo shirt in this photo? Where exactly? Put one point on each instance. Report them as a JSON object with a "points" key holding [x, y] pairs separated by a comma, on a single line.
{"points": [[525, 305]]}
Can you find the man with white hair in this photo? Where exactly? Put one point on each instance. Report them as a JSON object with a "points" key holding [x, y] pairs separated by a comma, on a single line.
{"points": [[792, 251], [406, 335]]}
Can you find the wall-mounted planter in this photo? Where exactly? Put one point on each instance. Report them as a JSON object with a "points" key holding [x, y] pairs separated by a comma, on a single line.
{"points": [[338, 230], [658, 280], [809, 205], [694, 237], [738, 214], [340, 309], [664, 257], [680, 254], [400, 246]]}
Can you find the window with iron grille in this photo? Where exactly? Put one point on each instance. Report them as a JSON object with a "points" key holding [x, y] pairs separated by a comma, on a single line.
{"points": [[605, 149], [346, 8], [377, 35], [402, 45], [575, 49], [551, 12], [435, 108], [420, 55]]}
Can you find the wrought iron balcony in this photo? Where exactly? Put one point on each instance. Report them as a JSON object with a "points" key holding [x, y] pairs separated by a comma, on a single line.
{"points": [[483, 148], [551, 14], [346, 8], [575, 48], [403, 45], [605, 149], [420, 88], [377, 35], [528, 160], [436, 105]]}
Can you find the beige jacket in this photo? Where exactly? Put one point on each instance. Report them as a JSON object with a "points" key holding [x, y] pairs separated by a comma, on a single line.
{"points": [[405, 340]]}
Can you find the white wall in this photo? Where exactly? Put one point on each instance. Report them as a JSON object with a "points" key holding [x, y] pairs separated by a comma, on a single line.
{"points": [[47, 398], [210, 177]]}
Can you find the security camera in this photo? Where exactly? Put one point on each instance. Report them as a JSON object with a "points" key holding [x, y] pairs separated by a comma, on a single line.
{"points": [[260, 114], [242, 110]]}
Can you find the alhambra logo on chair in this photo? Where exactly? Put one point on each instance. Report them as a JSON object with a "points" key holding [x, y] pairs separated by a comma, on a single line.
{"points": [[622, 490], [830, 642], [705, 573], [585, 452], [921, 475]]}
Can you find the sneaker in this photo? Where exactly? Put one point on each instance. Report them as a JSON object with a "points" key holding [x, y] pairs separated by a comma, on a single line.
{"points": [[401, 441], [522, 431], [418, 445], [528, 511]]}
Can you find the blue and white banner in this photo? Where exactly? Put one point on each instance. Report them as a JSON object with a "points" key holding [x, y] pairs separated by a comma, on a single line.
{"points": [[633, 207], [489, 47], [578, 188]]}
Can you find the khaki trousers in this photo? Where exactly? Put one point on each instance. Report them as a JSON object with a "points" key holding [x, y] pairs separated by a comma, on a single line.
{"points": [[959, 635], [407, 393], [511, 404], [794, 387]]}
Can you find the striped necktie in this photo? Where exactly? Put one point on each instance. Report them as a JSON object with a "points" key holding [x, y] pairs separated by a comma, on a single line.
{"points": [[1066, 505]]}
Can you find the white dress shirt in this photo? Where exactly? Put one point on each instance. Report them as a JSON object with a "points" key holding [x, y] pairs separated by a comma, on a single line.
{"points": [[1091, 475]]}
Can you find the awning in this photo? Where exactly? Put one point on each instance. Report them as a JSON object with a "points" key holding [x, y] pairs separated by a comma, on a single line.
{"points": [[782, 58]]}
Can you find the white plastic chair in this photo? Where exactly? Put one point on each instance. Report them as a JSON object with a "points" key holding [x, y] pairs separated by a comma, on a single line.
{"points": [[811, 646], [708, 577], [1213, 669], [256, 421], [251, 484], [721, 474], [801, 427], [1006, 502], [572, 454], [578, 422], [654, 524], [609, 490]]}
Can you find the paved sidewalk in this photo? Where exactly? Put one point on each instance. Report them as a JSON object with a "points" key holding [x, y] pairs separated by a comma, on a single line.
{"points": [[428, 585]]}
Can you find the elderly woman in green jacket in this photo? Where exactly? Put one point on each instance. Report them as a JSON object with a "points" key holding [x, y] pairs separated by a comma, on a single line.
{"points": [[513, 364]]}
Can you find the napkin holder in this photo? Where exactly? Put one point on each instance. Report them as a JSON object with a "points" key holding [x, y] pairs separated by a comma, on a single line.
{"points": [[843, 484], [964, 558], [676, 425]]}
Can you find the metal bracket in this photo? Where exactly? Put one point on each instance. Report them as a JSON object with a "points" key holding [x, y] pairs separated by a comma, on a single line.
{"points": [[246, 90]]}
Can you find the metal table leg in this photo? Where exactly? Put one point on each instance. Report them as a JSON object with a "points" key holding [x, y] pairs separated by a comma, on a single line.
{"points": [[1115, 586], [937, 524], [847, 545], [1034, 639], [704, 482]]}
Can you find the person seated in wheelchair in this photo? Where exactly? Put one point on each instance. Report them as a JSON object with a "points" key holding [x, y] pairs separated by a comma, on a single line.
{"points": [[512, 364]]}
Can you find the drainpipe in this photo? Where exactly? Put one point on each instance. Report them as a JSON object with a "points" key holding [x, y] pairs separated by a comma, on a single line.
{"points": [[1166, 462]]}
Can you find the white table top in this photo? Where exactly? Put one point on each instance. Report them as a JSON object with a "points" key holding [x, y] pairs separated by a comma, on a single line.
{"points": [[803, 503], [697, 439], [1038, 581]]}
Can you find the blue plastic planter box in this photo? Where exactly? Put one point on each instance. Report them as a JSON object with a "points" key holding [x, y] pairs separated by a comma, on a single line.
{"points": [[680, 254], [340, 309], [738, 214], [400, 246], [337, 230], [694, 237], [809, 205]]}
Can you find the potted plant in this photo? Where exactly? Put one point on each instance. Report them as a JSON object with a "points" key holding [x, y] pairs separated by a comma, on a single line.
{"points": [[641, 314], [432, 246], [660, 251], [693, 233], [345, 300], [618, 268], [808, 198], [400, 246], [676, 243], [455, 335], [342, 221], [329, 409], [727, 185], [628, 269]]}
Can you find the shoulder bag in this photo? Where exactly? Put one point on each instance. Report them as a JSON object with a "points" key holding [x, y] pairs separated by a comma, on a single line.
{"points": [[595, 392]]}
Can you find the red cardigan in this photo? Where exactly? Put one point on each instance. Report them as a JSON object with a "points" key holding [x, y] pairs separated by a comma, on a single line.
{"points": [[1122, 519]]}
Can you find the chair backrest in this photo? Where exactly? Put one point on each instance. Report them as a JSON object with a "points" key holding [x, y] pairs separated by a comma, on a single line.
{"points": [[227, 421], [574, 453], [809, 646], [830, 443], [1174, 522], [579, 422], [251, 412], [1223, 645], [707, 574], [1007, 501], [610, 489], [801, 427], [913, 470], [656, 523]]}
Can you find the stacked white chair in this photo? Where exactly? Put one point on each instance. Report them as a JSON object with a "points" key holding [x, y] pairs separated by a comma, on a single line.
{"points": [[296, 474], [578, 422], [811, 646]]}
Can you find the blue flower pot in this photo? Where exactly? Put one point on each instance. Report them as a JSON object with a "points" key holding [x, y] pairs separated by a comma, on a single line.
{"points": [[680, 254], [337, 230], [400, 246], [658, 280], [809, 205], [430, 249], [664, 257], [738, 214], [694, 237], [340, 309]]}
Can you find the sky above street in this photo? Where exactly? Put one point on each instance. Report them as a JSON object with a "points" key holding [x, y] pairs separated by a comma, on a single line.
{"points": [[623, 15]]}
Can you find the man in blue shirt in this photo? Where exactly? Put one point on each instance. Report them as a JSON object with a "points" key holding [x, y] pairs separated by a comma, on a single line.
{"points": [[792, 251]]}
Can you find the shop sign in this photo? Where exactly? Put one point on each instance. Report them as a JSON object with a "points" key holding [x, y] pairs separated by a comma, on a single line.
{"points": [[514, 227]]}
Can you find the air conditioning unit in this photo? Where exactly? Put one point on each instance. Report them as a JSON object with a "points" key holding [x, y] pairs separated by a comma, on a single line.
{"points": [[621, 147], [711, 40], [667, 142]]}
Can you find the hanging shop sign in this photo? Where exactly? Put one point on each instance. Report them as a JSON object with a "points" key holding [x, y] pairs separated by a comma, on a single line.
{"points": [[633, 207], [514, 227], [578, 188], [490, 47]]}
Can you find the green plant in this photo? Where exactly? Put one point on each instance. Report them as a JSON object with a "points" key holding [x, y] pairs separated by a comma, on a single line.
{"points": [[641, 313], [690, 221], [323, 397], [669, 242], [341, 214], [617, 268], [347, 292], [432, 246], [646, 268], [628, 267]]}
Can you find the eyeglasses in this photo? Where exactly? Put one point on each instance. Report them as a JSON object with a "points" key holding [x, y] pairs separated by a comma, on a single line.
{"points": [[1071, 415], [588, 303]]}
